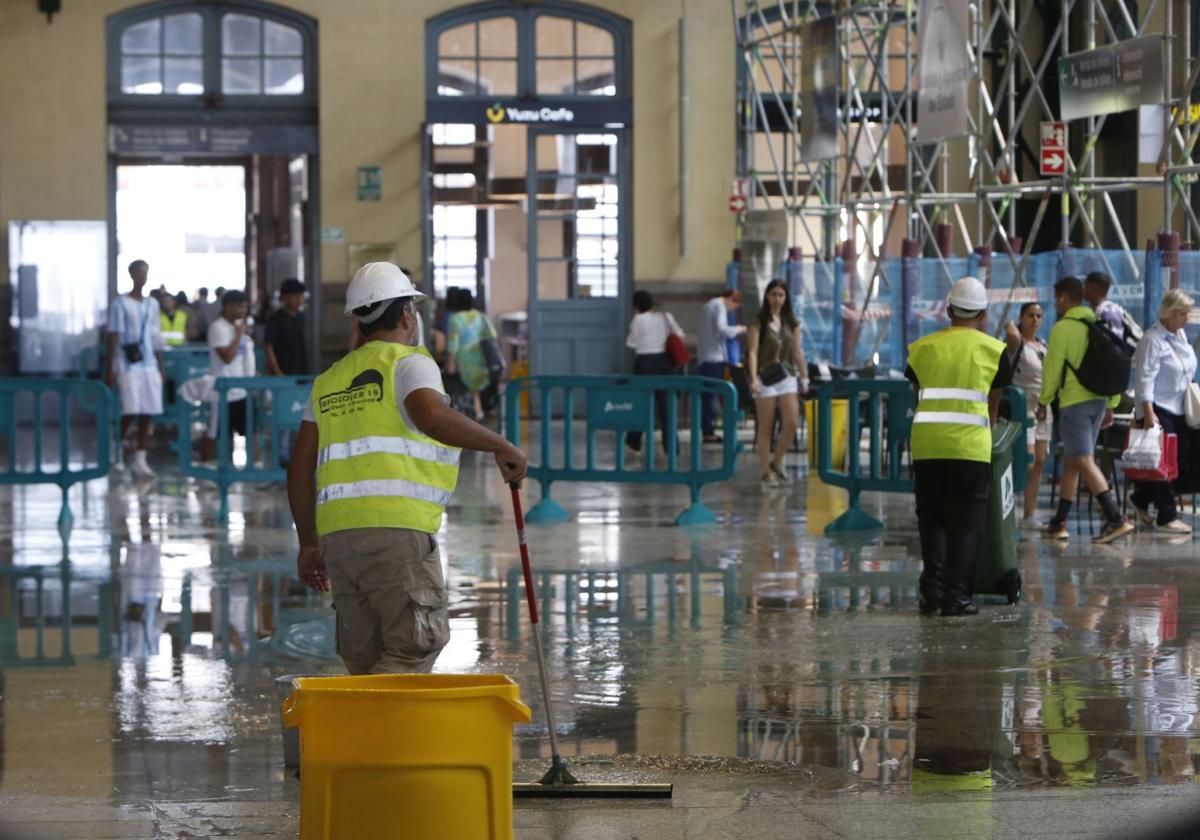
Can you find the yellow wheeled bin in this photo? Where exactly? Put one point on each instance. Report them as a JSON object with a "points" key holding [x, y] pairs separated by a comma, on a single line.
{"points": [[405, 755]]}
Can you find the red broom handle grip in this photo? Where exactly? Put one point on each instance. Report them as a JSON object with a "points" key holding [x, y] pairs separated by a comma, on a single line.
{"points": [[530, 594]]}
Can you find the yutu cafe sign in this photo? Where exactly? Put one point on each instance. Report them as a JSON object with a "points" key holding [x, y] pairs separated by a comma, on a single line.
{"points": [[591, 112]]}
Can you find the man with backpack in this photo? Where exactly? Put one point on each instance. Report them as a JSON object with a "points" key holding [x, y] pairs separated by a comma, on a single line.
{"points": [[1086, 369], [1096, 287]]}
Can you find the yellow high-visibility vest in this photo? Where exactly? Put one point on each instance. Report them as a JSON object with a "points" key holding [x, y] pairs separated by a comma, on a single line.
{"points": [[174, 327], [955, 368], [373, 469]]}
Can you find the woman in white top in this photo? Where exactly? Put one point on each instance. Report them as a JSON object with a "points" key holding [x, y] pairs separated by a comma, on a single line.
{"points": [[1163, 368], [1026, 352], [648, 333]]}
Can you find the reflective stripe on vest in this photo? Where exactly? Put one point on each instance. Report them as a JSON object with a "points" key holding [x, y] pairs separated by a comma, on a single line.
{"points": [[373, 469], [955, 368], [377, 444], [396, 488]]}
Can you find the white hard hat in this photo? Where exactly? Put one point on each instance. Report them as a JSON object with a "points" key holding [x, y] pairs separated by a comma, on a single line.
{"points": [[378, 281], [968, 294]]}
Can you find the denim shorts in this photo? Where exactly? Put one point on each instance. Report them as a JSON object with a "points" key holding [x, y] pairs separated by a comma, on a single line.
{"points": [[1079, 427]]}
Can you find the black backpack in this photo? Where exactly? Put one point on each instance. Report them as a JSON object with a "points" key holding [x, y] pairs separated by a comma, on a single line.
{"points": [[1106, 364]]}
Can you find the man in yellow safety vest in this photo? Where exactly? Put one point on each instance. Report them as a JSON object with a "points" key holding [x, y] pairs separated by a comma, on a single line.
{"points": [[172, 320], [373, 466], [959, 372]]}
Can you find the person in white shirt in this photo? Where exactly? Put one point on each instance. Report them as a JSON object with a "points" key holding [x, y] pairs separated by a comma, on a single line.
{"points": [[647, 337], [135, 362], [1163, 368], [713, 335], [230, 354], [1026, 352]]}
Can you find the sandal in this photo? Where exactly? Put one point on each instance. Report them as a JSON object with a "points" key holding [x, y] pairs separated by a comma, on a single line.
{"points": [[781, 475]]}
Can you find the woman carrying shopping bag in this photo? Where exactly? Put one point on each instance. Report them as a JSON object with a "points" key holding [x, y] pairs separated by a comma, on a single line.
{"points": [[1163, 369]]}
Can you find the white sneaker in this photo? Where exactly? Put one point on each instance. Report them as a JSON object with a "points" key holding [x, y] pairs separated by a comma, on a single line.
{"points": [[1030, 523], [1176, 526], [140, 468]]}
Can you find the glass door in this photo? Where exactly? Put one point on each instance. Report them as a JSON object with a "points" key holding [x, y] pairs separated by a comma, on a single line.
{"points": [[579, 261]]}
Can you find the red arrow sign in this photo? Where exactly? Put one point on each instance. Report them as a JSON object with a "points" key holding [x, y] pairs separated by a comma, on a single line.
{"points": [[1054, 162]]}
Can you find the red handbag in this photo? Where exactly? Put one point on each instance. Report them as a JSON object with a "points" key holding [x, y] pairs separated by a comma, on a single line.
{"points": [[1168, 465], [676, 351]]}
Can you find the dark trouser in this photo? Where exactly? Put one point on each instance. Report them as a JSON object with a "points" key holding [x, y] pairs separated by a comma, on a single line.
{"points": [[951, 514], [652, 364], [708, 403], [1160, 493]]}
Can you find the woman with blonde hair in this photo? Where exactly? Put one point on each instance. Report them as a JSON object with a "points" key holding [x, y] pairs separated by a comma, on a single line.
{"points": [[1163, 368]]}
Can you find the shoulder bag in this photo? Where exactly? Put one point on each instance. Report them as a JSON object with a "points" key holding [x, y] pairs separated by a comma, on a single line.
{"points": [[489, 346], [676, 351], [133, 350], [1191, 397]]}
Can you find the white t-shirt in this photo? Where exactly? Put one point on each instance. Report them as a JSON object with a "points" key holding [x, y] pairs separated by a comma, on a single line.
{"points": [[220, 334], [136, 321], [412, 374], [648, 332]]}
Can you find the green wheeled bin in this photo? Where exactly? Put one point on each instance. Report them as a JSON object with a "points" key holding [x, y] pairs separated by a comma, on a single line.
{"points": [[998, 572]]}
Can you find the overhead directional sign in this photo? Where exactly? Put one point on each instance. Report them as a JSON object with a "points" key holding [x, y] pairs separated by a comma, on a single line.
{"points": [[1107, 80]]}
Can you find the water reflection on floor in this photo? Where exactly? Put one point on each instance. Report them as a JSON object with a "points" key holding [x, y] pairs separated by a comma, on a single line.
{"points": [[757, 639]]}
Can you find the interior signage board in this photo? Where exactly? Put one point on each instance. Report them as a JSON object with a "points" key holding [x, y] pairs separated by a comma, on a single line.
{"points": [[370, 183], [1107, 80], [131, 139], [604, 111], [819, 90], [943, 70]]}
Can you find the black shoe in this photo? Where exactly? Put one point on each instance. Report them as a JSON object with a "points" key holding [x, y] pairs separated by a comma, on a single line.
{"points": [[928, 608], [965, 608]]}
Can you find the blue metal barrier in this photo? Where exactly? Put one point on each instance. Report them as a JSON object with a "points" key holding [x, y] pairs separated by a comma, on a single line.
{"points": [[274, 409], [890, 408], [77, 408], [622, 404], [30, 616]]}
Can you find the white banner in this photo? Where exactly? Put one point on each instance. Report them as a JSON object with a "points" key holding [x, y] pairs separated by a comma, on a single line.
{"points": [[943, 70]]}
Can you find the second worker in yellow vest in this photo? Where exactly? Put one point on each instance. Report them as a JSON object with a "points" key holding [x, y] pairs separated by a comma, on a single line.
{"points": [[173, 321], [373, 467], [959, 372]]}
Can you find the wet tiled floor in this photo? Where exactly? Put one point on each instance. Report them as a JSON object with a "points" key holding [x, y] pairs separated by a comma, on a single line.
{"points": [[784, 682]]}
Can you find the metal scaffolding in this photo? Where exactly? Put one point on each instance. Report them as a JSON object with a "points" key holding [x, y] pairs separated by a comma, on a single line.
{"points": [[983, 190]]}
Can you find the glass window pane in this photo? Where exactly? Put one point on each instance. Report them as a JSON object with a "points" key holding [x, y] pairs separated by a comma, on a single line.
{"points": [[596, 77], [183, 76], [241, 35], [457, 75], [593, 41], [552, 280], [459, 41], [141, 74], [284, 75], [498, 77], [281, 40], [183, 34], [553, 36], [555, 77], [241, 75], [142, 38], [498, 37]]}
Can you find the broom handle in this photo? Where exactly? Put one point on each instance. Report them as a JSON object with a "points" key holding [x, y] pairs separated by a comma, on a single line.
{"points": [[531, 600]]}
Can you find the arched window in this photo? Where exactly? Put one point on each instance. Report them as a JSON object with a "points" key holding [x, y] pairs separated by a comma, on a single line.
{"points": [[552, 50], [213, 53]]}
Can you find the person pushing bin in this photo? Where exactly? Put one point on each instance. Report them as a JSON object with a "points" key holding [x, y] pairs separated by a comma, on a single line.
{"points": [[959, 373], [373, 466]]}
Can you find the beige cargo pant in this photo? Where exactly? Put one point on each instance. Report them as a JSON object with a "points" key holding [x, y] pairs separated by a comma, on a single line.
{"points": [[390, 597]]}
